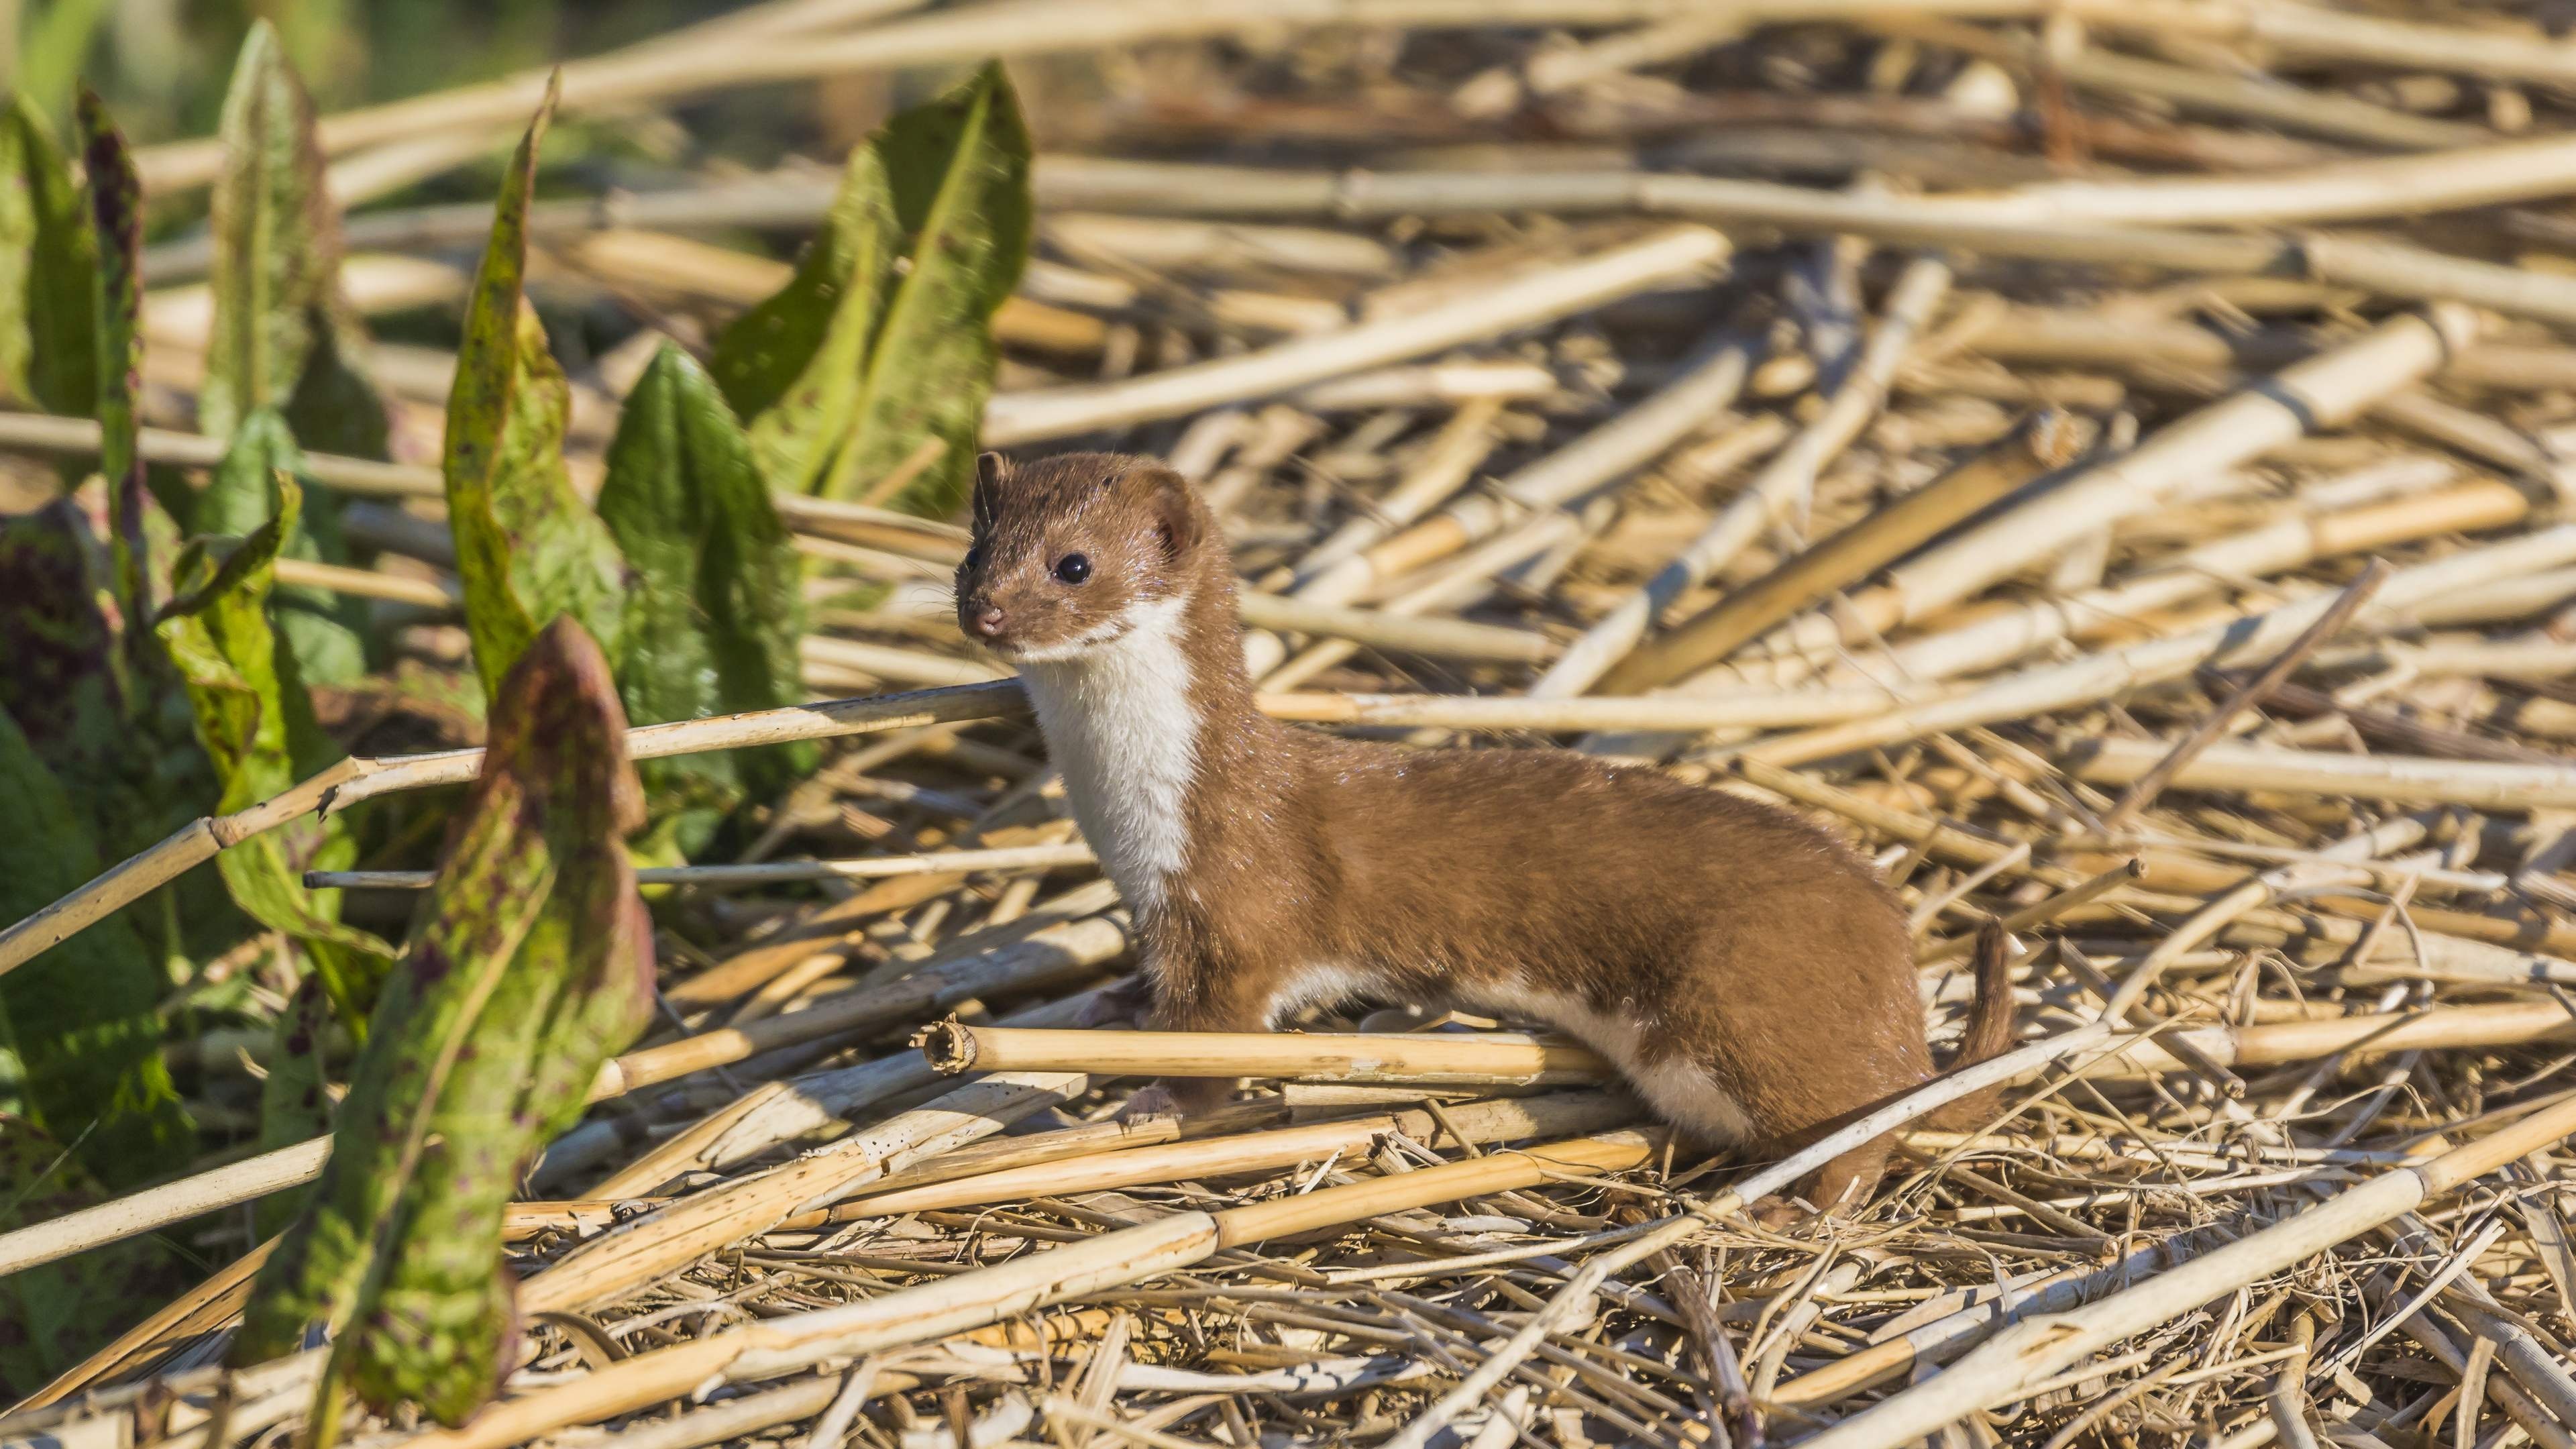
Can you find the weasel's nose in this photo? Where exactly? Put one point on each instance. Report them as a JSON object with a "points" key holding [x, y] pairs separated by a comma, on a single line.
{"points": [[988, 621]]}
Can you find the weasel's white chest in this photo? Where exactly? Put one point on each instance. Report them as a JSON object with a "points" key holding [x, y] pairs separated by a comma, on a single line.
{"points": [[1121, 730]]}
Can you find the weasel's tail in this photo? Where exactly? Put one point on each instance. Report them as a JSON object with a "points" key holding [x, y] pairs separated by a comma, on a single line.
{"points": [[1990, 1031]]}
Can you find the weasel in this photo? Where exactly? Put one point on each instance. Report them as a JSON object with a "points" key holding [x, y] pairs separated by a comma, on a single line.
{"points": [[1751, 977]]}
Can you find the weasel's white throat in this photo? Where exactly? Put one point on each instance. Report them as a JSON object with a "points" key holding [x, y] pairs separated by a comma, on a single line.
{"points": [[1120, 728]]}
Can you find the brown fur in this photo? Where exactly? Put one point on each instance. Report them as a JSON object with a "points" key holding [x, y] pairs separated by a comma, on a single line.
{"points": [[1737, 939]]}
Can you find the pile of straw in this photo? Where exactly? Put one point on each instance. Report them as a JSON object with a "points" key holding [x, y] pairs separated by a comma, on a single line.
{"points": [[2104, 459]]}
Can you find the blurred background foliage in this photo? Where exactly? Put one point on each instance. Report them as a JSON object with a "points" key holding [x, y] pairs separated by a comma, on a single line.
{"points": [[149, 58]]}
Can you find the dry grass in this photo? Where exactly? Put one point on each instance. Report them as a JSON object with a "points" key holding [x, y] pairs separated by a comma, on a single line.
{"points": [[1508, 463]]}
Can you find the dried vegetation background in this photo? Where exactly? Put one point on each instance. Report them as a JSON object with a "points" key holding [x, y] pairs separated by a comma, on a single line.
{"points": [[2106, 459]]}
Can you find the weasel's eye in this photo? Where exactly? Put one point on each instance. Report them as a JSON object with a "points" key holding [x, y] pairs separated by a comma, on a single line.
{"points": [[974, 556], [1073, 568]]}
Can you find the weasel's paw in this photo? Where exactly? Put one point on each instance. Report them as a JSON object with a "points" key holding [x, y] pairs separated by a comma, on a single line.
{"points": [[1151, 1100], [1778, 1213], [1122, 1005]]}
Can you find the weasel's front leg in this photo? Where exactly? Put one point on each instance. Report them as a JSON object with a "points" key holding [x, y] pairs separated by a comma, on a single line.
{"points": [[1196, 997], [1124, 1004]]}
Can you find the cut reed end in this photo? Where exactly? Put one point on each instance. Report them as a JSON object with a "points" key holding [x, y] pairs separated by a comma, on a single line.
{"points": [[947, 1045]]}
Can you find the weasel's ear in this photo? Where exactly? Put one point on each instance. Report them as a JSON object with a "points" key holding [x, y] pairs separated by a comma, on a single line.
{"points": [[1179, 521], [990, 470]]}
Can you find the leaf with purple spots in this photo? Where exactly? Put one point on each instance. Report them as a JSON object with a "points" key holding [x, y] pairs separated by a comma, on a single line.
{"points": [[530, 966]]}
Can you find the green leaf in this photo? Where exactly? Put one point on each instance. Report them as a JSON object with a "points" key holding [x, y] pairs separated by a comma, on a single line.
{"points": [[863, 361], [527, 548], [531, 965], [326, 630], [120, 744], [48, 321], [713, 622], [55, 48], [256, 723], [82, 1014], [58, 675], [794, 365], [294, 1105], [116, 216], [52, 1317], [283, 333], [959, 168]]}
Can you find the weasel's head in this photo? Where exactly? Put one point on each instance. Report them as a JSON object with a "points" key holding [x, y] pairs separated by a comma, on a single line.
{"points": [[1071, 552]]}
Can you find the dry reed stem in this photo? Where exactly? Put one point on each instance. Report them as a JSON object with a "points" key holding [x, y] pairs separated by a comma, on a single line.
{"points": [[2095, 677], [1780, 490], [2041, 444], [1485, 1060], [2356, 897], [1050, 956], [1679, 256], [354, 780], [920, 1314], [946, 862], [2036, 1348], [2246, 696], [2485, 784]]}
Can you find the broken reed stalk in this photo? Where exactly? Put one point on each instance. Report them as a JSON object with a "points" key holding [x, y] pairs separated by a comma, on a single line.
{"points": [[2395, 270], [1529, 497], [2246, 696], [2323, 391], [1484, 1059], [1781, 489], [2164, 869], [1742, 709], [156, 1207], [1132, 1255], [350, 781], [2400, 779], [915, 1315], [2034, 1350], [354, 780], [2042, 443], [79, 437], [1016, 857], [1576, 1295], [636, 1252], [812, 1105], [1681, 255], [2016, 631], [1474, 1124], [2089, 679], [1050, 957]]}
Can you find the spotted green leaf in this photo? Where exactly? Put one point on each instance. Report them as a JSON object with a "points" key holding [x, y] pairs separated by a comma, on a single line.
{"points": [[527, 548], [713, 621], [794, 365], [256, 723], [116, 217], [959, 170], [294, 1100], [326, 630], [881, 345], [284, 336], [531, 965]]}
